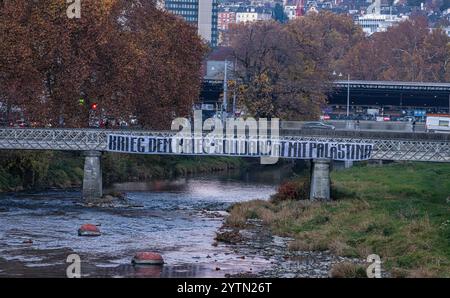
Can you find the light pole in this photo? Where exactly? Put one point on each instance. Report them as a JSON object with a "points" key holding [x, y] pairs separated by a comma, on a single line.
{"points": [[348, 124], [348, 96], [225, 93], [235, 87], [348, 93]]}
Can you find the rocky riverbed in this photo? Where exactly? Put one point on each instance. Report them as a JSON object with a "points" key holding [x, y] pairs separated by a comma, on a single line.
{"points": [[258, 240]]}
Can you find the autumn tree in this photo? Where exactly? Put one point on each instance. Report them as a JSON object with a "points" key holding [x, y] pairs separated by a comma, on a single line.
{"points": [[333, 34], [285, 70], [405, 52], [127, 56]]}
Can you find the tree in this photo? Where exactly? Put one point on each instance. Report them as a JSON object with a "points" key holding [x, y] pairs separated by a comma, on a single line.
{"points": [[126, 56], [285, 69], [280, 76], [408, 52], [333, 34]]}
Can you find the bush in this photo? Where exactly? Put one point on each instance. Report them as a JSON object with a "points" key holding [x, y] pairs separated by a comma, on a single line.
{"points": [[292, 190], [348, 270]]}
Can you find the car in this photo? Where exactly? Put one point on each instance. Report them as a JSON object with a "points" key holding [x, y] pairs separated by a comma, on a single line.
{"points": [[21, 123], [409, 118], [318, 125]]}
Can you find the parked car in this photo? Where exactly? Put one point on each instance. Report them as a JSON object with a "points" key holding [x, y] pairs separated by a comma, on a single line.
{"points": [[318, 125]]}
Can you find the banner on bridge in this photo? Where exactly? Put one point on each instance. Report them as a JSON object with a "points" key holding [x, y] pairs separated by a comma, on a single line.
{"points": [[246, 147]]}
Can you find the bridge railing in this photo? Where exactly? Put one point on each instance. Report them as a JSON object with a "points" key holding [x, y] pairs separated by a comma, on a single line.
{"points": [[387, 145]]}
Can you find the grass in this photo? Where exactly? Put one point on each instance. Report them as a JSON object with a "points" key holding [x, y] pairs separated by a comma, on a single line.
{"points": [[398, 211], [348, 270]]}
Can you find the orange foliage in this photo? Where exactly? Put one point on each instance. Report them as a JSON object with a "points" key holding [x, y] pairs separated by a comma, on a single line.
{"points": [[125, 55]]}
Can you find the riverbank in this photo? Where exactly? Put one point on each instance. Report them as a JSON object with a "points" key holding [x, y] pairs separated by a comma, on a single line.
{"points": [[49, 169], [399, 211]]}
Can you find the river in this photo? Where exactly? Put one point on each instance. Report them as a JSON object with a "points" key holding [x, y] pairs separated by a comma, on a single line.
{"points": [[177, 218]]}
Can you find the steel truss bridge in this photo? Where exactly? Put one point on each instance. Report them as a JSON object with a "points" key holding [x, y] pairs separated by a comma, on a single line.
{"points": [[387, 145]]}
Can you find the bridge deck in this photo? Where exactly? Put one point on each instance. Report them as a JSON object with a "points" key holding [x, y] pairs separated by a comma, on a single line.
{"points": [[387, 145]]}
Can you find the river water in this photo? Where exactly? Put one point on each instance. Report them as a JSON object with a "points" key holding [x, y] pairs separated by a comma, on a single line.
{"points": [[177, 218]]}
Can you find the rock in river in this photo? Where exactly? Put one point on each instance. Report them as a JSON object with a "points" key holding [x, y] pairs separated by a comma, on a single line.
{"points": [[89, 230]]}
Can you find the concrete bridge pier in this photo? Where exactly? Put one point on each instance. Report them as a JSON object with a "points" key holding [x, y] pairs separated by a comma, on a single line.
{"points": [[92, 180], [320, 180]]}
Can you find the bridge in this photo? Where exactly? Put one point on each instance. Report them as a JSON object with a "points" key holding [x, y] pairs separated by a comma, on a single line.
{"points": [[395, 146]]}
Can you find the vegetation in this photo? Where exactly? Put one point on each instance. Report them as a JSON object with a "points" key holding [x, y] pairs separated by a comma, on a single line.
{"points": [[127, 56], [31, 170], [26, 170], [119, 168], [407, 52], [348, 270], [297, 189], [398, 211], [284, 70]]}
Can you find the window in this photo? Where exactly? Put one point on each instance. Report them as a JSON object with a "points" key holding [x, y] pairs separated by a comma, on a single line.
{"points": [[444, 123]]}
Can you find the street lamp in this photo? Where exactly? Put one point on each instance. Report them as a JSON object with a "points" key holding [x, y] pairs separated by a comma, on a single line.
{"points": [[348, 96], [348, 124], [348, 91]]}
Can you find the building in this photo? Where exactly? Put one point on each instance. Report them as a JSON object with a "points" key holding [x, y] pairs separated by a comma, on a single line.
{"points": [[201, 13], [252, 15], [290, 11], [225, 18], [213, 69], [372, 23]]}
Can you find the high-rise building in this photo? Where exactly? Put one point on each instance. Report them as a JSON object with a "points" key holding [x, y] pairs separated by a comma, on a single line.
{"points": [[201, 13]]}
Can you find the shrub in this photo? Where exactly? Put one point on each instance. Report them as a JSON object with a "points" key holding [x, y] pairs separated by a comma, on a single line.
{"points": [[292, 190], [348, 270]]}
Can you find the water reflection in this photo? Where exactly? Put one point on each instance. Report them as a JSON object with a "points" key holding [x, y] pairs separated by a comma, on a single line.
{"points": [[171, 221]]}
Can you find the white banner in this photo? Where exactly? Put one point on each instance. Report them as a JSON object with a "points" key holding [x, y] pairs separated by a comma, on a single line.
{"points": [[240, 147]]}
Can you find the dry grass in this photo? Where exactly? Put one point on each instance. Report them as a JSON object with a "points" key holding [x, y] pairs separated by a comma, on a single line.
{"points": [[413, 273], [338, 247], [241, 212], [421, 273], [348, 270]]}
